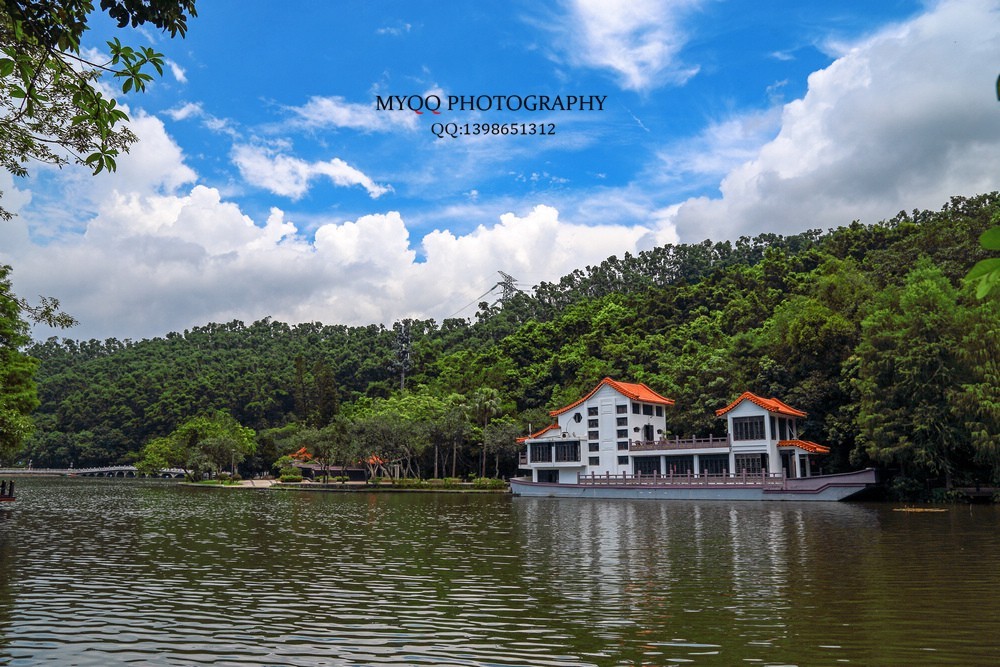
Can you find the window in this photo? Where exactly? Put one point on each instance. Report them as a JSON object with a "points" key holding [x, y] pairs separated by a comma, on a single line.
{"points": [[646, 465], [592, 412], [636, 409], [594, 460], [680, 465], [567, 451], [592, 423], [622, 433], [623, 444], [621, 409], [623, 460], [577, 417], [751, 464], [540, 452], [593, 435], [548, 476], [782, 429], [748, 428], [647, 410], [623, 421], [774, 426], [713, 464], [659, 410], [594, 447]]}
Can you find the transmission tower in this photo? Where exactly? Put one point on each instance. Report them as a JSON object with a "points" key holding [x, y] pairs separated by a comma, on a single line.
{"points": [[508, 287]]}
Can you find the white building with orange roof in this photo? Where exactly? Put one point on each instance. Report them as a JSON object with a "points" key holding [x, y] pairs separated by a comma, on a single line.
{"points": [[620, 429], [592, 435], [763, 433]]}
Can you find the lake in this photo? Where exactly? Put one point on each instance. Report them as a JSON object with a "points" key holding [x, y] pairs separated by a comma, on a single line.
{"points": [[114, 572]]}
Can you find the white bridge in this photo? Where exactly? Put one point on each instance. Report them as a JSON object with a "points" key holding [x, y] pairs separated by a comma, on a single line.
{"points": [[103, 471]]}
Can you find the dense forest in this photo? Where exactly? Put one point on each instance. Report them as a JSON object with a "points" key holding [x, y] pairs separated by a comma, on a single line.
{"points": [[871, 329]]}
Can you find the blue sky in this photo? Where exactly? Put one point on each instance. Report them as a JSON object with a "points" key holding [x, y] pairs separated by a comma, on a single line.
{"points": [[266, 181]]}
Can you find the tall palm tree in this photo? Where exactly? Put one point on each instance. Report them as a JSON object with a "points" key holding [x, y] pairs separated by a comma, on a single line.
{"points": [[485, 405]]}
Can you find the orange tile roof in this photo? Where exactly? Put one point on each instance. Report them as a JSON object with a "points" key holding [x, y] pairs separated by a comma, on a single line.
{"points": [[769, 404], [635, 391], [539, 433], [808, 446]]}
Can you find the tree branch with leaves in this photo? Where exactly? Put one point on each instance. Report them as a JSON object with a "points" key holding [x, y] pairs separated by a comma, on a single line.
{"points": [[52, 108]]}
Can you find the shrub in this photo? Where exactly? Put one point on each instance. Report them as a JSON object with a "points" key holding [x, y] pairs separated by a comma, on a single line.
{"points": [[409, 483], [290, 478], [445, 483], [488, 483]]}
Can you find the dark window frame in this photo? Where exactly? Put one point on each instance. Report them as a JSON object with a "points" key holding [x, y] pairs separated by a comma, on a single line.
{"points": [[748, 428]]}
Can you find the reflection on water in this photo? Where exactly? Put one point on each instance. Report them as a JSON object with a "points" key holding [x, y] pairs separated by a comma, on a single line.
{"points": [[98, 572]]}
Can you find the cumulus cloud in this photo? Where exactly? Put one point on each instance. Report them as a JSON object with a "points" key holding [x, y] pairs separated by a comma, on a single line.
{"points": [[289, 176], [638, 40], [151, 264], [902, 119]]}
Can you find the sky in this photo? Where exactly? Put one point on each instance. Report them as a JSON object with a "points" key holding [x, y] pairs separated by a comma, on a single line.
{"points": [[282, 168]]}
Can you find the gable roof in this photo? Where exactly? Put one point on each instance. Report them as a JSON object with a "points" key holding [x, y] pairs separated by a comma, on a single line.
{"points": [[806, 445], [769, 404], [635, 391], [539, 434]]}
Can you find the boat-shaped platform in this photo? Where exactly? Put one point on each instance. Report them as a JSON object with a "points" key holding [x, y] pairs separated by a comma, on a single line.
{"points": [[705, 487]]}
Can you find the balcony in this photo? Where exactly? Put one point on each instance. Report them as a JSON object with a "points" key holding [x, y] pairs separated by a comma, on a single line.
{"points": [[664, 444]]}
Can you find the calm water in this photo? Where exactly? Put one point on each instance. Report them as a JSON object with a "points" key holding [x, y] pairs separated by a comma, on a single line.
{"points": [[106, 572]]}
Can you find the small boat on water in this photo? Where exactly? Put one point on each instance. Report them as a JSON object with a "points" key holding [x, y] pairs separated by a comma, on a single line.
{"points": [[630, 453]]}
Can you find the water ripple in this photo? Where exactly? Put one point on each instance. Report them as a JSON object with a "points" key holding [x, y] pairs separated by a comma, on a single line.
{"points": [[105, 572]]}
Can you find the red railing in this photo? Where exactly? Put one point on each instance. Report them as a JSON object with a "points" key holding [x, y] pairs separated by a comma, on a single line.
{"points": [[689, 479], [711, 442]]}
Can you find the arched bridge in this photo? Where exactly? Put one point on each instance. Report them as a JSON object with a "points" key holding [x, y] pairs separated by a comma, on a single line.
{"points": [[103, 471]]}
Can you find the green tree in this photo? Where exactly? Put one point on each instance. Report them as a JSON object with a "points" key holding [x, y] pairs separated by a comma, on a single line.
{"points": [[483, 406], [18, 395], [986, 272], [206, 444], [329, 446], [50, 98], [500, 439], [907, 371], [977, 400]]}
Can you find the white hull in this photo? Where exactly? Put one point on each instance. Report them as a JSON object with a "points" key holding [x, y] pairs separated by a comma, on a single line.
{"points": [[816, 488]]}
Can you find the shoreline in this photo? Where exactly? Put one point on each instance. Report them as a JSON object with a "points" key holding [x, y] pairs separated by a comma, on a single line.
{"points": [[348, 487]]}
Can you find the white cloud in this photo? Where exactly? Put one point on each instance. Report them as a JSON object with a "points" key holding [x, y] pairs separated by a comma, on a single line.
{"points": [[185, 111], [904, 119], [192, 110], [325, 112], [179, 74], [290, 176], [639, 40], [395, 30], [720, 147], [152, 264]]}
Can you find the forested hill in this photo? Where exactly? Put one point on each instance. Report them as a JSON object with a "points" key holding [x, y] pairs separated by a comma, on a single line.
{"points": [[868, 328]]}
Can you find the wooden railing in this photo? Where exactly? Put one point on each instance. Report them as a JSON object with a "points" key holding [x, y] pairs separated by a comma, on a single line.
{"points": [[740, 479], [711, 442]]}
